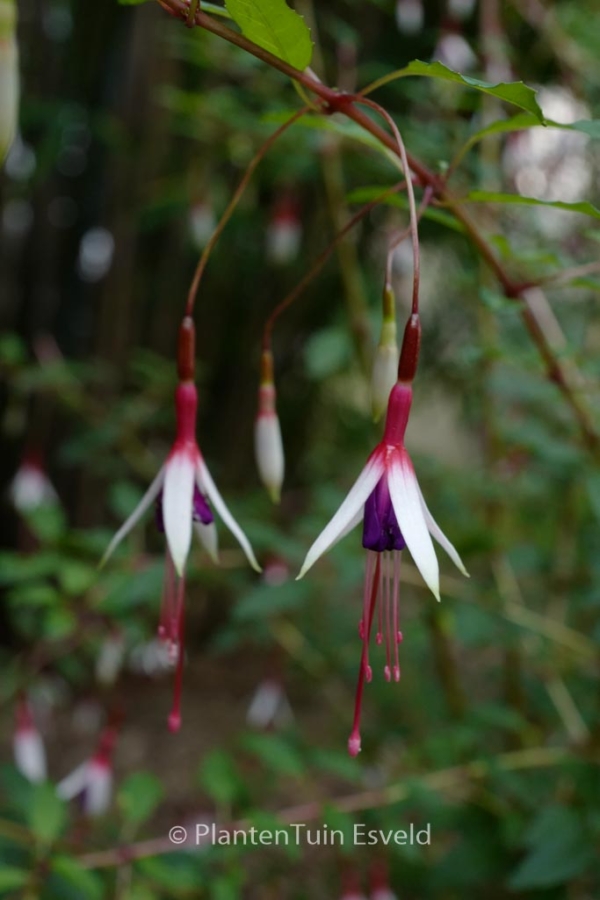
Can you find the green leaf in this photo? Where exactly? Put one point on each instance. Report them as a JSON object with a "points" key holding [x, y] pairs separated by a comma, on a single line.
{"points": [[87, 884], [11, 878], [46, 814], [559, 851], [522, 122], [275, 27], [492, 197], [132, 2], [514, 92], [138, 797], [367, 194], [276, 753], [219, 777]]}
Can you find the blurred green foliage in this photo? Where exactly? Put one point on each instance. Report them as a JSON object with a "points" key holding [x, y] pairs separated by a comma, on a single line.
{"points": [[492, 735]]}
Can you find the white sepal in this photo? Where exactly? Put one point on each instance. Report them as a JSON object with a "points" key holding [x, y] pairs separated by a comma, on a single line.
{"points": [[346, 516], [98, 791], [30, 754], [209, 539], [268, 447], [177, 503], [437, 533], [207, 486], [74, 783], [146, 501], [406, 501]]}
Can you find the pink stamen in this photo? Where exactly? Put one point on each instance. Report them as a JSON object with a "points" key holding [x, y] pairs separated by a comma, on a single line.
{"points": [[174, 720], [372, 579], [396, 604], [387, 612]]}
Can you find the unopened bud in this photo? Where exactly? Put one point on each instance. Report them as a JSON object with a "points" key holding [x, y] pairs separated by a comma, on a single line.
{"points": [[268, 445], [385, 364], [186, 350], [411, 344], [9, 76], [28, 746]]}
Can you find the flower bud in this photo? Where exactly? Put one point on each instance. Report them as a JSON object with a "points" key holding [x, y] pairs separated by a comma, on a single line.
{"points": [[9, 76], [268, 445], [385, 365], [28, 746]]}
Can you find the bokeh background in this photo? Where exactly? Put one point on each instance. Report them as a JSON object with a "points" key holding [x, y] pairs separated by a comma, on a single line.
{"points": [[134, 132]]}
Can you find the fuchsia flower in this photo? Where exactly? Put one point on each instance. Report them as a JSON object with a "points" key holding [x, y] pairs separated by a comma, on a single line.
{"points": [[386, 497], [28, 745], [183, 489], [92, 781]]}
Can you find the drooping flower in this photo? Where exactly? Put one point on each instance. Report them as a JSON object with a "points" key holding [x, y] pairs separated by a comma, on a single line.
{"points": [[31, 487], [269, 707], [92, 781], [268, 445], [28, 745], [380, 883], [284, 233], [386, 497], [183, 490]]}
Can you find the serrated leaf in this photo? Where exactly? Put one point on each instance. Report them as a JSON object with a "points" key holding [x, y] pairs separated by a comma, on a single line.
{"points": [[516, 199], [514, 92], [275, 27], [524, 121], [138, 796]]}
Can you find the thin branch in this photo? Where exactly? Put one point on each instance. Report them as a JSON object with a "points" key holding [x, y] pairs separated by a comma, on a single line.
{"points": [[261, 153]]}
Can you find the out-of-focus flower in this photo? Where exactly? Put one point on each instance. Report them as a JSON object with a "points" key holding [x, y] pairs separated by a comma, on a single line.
{"points": [[351, 888], [109, 661], [202, 224], [269, 707], [552, 163], [28, 745], [454, 51], [268, 445], [386, 497], [31, 487], [410, 16], [92, 781], [9, 75], [461, 9], [96, 251], [183, 489], [284, 232], [385, 364], [380, 884]]}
